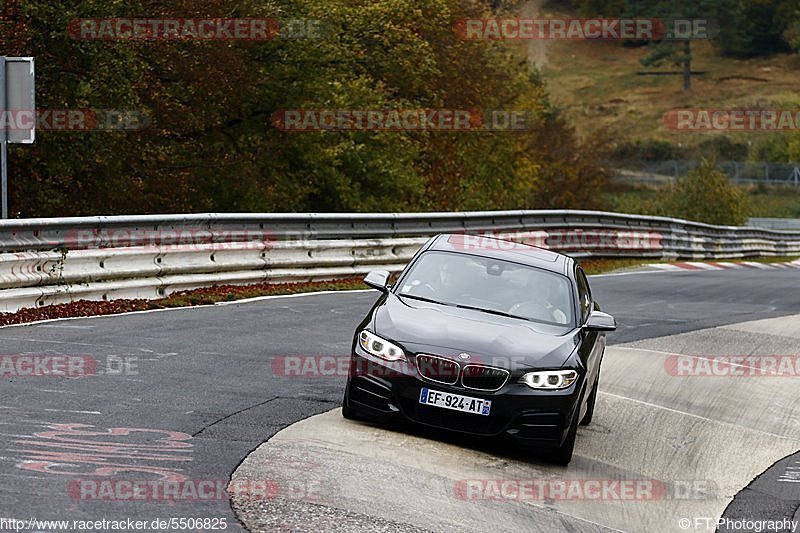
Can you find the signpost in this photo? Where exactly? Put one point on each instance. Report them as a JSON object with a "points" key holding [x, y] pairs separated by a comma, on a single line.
{"points": [[17, 102]]}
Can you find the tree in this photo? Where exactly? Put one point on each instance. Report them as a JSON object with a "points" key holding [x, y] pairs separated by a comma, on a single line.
{"points": [[705, 195], [792, 33], [747, 28], [760, 28], [212, 145], [793, 150], [600, 8], [675, 46]]}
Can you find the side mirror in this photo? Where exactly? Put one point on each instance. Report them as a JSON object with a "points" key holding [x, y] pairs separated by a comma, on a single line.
{"points": [[599, 321], [378, 279]]}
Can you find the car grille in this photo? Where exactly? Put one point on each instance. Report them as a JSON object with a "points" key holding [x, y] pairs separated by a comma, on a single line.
{"points": [[438, 369], [484, 378]]}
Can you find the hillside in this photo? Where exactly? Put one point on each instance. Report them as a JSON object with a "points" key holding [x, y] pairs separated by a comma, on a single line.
{"points": [[598, 86]]}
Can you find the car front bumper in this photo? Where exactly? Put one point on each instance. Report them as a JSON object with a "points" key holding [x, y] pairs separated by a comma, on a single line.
{"points": [[387, 392]]}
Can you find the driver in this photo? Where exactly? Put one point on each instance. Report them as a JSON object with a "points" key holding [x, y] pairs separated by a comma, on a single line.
{"points": [[551, 295], [544, 300], [437, 278], [447, 288], [447, 278]]}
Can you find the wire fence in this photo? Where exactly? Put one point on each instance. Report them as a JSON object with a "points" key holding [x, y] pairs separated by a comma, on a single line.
{"points": [[745, 173]]}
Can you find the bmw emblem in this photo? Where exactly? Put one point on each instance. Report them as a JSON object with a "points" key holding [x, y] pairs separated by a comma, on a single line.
{"points": [[464, 356]]}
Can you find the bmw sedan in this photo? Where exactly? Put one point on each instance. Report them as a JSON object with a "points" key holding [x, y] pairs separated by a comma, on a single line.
{"points": [[485, 337]]}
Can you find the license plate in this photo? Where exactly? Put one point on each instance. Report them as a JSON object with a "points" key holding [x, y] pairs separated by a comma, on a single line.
{"points": [[456, 402]]}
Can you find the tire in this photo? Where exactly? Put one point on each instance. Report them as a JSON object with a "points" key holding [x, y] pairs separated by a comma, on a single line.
{"points": [[347, 411], [563, 455], [587, 418]]}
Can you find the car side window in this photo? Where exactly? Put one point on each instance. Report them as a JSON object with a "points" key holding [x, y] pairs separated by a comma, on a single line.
{"points": [[584, 295]]}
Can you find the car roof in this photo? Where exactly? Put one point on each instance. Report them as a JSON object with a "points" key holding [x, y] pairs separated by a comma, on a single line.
{"points": [[492, 247]]}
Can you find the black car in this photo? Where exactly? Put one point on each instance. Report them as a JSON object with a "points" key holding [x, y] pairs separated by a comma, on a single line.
{"points": [[485, 337]]}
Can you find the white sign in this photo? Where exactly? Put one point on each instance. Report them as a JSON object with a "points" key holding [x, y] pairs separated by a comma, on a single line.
{"points": [[16, 98], [19, 99]]}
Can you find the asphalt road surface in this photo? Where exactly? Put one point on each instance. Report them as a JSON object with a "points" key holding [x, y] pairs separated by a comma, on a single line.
{"points": [[182, 396]]}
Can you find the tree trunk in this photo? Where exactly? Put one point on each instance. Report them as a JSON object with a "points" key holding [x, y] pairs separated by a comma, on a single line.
{"points": [[687, 66]]}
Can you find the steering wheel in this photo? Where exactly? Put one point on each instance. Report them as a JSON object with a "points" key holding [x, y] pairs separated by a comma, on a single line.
{"points": [[532, 309], [428, 289]]}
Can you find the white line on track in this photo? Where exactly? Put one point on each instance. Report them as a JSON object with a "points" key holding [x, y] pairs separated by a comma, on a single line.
{"points": [[27, 408], [684, 413]]}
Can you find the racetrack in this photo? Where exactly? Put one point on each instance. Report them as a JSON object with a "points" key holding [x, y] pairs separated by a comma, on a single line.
{"points": [[201, 381]]}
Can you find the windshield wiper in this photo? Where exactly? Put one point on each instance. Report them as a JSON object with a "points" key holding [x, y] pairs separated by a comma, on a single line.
{"points": [[462, 306], [491, 311], [422, 298]]}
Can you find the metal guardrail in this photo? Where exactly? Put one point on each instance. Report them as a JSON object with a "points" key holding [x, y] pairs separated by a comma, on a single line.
{"points": [[784, 224], [47, 261]]}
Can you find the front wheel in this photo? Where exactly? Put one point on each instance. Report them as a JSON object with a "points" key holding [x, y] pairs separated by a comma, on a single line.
{"points": [[347, 411], [563, 455], [587, 418]]}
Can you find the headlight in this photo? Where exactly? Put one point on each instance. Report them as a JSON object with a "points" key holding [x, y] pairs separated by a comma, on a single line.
{"points": [[379, 347], [550, 379]]}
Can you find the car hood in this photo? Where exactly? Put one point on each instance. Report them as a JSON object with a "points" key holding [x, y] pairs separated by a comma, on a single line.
{"points": [[441, 329]]}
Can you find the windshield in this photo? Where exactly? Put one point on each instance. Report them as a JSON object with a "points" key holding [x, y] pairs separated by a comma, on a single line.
{"points": [[489, 285]]}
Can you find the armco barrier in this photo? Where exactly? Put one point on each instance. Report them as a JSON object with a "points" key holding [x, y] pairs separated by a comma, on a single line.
{"points": [[785, 224], [46, 261]]}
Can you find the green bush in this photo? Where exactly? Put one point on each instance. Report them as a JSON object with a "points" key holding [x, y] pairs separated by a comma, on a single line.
{"points": [[648, 150], [705, 195], [773, 147], [793, 148], [721, 148], [792, 33]]}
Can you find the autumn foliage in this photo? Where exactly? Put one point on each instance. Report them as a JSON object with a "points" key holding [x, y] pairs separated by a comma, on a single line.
{"points": [[210, 144]]}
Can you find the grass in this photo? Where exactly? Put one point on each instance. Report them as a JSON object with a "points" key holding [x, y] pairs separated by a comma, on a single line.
{"points": [[778, 203], [598, 86], [205, 296], [593, 267], [229, 293], [765, 202]]}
